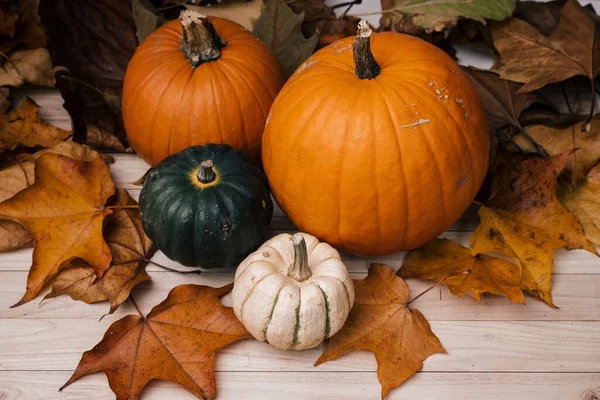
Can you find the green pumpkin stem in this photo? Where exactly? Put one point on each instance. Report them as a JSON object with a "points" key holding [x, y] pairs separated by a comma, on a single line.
{"points": [[299, 270], [201, 42], [206, 174], [365, 66]]}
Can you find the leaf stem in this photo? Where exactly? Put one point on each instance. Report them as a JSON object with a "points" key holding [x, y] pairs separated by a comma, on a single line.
{"points": [[132, 207], [439, 283], [195, 271], [586, 126], [136, 306]]}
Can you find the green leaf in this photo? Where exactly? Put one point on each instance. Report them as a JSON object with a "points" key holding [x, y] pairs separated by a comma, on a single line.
{"points": [[479, 10], [145, 20], [279, 28]]}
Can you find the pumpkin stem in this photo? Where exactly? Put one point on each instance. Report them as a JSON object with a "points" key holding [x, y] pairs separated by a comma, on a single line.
{"points": [[206, 174], [365, 66], [201, 42], [299, 270]]}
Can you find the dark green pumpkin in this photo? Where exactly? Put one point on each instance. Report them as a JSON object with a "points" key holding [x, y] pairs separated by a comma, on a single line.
{"points": [[206, 206]]}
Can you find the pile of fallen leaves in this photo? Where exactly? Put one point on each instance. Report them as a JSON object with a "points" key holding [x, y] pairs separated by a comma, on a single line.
{"points": [[57, 195]]}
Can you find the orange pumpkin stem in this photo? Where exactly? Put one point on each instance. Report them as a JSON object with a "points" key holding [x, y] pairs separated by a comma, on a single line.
{"points": [[365, 66], [206, 174], [299, 270], [201, 42]]}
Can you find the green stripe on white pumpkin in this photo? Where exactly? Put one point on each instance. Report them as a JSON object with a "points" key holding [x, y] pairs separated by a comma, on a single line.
{"points": [[293, 292]]}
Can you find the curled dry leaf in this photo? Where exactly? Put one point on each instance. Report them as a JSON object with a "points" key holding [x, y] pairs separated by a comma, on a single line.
{"points": [[529, 57], [22, 25], [503, 104], [176, 342], [242, 12], [23, 127], [278, 27], [543, 16], [32, 67], [441, 258], [64, 211], [584, 202], [559, 140], [382, 322], [131, 250], [525, 220], [90, 57]]}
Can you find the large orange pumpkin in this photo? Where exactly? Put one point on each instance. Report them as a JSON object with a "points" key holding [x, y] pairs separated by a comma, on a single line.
{"points": [[376, 146], [196, 81]]}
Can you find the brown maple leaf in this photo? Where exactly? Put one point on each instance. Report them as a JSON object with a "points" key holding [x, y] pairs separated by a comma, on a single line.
{"points": [[584, 202], [381, 322], [131, 251], [23, 127], [525, 220], [441, 258], [176, 342], [64, 211], [530, 57], [559, 140]]}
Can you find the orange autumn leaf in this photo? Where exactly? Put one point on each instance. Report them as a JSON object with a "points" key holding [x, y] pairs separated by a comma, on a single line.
{"points": [[525, 220], [23, 127], [382, 322], [131, 250], [64, 211], [441, 258], [176, 342]]}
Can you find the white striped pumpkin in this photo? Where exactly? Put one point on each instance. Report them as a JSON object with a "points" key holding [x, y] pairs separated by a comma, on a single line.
{"points": [[293, 292]]}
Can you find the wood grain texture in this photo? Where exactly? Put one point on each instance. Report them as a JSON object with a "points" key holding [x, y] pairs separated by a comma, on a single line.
{"points": [[36, 385], [473, 346]]}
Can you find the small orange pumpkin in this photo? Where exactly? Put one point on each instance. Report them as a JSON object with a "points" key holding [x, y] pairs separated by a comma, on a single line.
{"points": [[377, 145], [196, 81]]}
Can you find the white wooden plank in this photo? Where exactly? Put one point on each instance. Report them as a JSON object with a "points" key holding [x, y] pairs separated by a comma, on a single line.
{"points": [[566, 262], [473, 346], [578, 297], [35, 385]]}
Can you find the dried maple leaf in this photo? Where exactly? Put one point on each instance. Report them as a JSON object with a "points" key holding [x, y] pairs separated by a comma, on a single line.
{"points": [[559, 140], [441, 258], [26, 30], [23, 127], [176, 342], [524, 219], [584, 202], [529, 57], [278, 27], [131, 251], [543, 16], [381, 322], [16, 174], [64, 211]]}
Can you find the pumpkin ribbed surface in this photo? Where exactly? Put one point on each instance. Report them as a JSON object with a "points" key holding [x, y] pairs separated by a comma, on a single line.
{"points": [[169, 105], [377, 165], [212, 224]]}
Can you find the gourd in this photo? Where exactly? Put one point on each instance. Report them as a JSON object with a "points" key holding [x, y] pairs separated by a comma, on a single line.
{"points": [[196, 81], [376, 144], [293, 292], [206, 206]]}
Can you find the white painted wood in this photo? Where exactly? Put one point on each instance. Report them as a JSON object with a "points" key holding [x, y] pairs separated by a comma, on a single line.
{"points": [[578, 297], [473, 346], [36, 385]]}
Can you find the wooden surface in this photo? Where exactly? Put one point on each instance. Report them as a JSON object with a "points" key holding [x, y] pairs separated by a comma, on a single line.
{"points": [[496, 349]]}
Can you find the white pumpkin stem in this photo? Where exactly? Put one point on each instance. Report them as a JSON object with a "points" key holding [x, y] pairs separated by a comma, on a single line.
{"points": [[299, 270], [206, 174], [365, 66], [201, 42]]}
